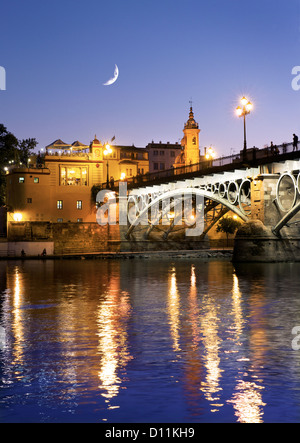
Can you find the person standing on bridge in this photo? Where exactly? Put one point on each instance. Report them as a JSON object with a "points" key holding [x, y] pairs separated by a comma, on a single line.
{"points": [[295, 142]]}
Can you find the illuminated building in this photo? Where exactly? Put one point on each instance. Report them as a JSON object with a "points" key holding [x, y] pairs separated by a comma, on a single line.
{"points": [[58, 187], [190, 154]]}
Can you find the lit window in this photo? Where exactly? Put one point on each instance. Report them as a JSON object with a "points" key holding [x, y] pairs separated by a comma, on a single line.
{"points": [[21, 179], [59, 204], [79, 204], [79, 220], [73, 176], [36, 180], [59, 220], [29, 200]]}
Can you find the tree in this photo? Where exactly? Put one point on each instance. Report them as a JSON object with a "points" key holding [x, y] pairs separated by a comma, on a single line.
{"points": [[12, 150], [26, 148], [228, 225], [8, 146]]}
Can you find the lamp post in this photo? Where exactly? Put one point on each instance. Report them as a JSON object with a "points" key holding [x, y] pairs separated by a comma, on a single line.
{"points": [[107, 151], [242, 111], [209, 153]]}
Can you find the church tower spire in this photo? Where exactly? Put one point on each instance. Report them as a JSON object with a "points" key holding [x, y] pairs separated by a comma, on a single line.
{"points": [[190, 141]]}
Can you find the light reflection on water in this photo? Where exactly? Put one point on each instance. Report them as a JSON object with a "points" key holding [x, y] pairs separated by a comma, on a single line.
{"points": [[148, 341]]}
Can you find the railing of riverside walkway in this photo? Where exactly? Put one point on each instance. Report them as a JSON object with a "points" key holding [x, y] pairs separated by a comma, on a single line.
{"points": [[253, 156]]}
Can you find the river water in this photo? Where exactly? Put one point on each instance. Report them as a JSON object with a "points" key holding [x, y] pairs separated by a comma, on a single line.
{"points": [[153, 341]]}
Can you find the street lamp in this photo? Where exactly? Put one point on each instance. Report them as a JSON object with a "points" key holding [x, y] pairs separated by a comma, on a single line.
{"points": [[242, 112], [17, 216], [209, 153], [107, 151]]}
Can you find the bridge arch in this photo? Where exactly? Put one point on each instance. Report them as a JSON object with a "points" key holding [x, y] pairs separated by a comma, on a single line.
{"points": [[185, 192]]}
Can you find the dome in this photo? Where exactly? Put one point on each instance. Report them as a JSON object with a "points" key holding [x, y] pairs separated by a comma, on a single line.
{"points": [[191, 124]]}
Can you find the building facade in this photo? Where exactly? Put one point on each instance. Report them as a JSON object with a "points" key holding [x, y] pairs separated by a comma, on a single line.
{"points": [[57, 187], [162, 155]]}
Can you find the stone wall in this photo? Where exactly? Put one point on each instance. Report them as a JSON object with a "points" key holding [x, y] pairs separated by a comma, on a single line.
{"points": [[28, 248], [138, 241], [256, 243], [68, 238]]}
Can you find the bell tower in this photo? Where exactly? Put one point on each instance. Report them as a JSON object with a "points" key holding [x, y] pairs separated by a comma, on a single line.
{"points": [[190, 141], [96, 149]]}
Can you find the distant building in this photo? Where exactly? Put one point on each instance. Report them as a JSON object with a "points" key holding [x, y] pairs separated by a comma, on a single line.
{"points": [[57, 188], [162, 155]]}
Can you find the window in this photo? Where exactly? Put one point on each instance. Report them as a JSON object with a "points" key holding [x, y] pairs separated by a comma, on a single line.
{"points": [[79, 204], [161, 166], [59, 220], [155, 166], [29, 200], [155, 152], [172, 153], [161, 152], [21, 179], [73, 176], [79, 220], [36, 180], [59, 204]]}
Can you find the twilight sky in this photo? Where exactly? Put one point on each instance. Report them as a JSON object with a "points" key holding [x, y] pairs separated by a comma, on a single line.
{"points": [[57, 55]]}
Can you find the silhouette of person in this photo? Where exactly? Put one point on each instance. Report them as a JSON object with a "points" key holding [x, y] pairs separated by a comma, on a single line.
{"points": [[295, 142]]}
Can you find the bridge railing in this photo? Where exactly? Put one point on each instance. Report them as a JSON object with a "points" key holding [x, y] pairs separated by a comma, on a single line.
{"points": [[252, 154]]}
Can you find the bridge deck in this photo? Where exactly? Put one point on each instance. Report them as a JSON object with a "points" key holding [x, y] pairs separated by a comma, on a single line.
{"points": [[255, 157]]}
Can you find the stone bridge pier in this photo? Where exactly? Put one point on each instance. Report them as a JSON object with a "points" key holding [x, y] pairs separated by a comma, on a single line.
{"points": [[272, 233]]}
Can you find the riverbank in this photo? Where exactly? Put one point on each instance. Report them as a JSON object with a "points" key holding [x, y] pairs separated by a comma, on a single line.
{"points": [[221, 254]]}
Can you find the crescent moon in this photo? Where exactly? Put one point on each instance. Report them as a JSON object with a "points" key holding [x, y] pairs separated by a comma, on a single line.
{"points": [[114, 78]]}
